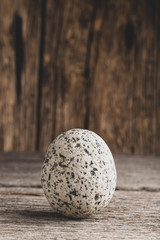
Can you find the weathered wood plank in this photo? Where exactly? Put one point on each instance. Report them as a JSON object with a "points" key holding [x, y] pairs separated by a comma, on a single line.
{"points": [[64, 84], [20, 169], [20, 28], [7, 75], [26, 110], [145, 108], [134, 172], [138, 172], [26, 214], [157, 79], [91, 64], [123, 82]]}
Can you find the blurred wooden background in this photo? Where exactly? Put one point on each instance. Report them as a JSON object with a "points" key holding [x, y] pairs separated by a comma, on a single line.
{"points": [[91, 64]]}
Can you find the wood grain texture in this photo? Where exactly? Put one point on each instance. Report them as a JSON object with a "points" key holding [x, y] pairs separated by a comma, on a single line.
{"points": [[124, 78], [7, 76], [133, 212], [63, 84], [157, 81], [134, 172], [89, 64], [20, 37], [29, 95], [25, 213]]}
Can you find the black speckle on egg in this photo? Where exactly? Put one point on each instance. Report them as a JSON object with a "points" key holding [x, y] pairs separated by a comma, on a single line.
{"points": [[96, 197]]}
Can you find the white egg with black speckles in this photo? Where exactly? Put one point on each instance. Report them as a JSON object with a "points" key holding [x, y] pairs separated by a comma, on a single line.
{"points": [[78, 173]]}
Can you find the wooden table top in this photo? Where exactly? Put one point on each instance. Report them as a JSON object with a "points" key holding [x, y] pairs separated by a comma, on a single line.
{"points": [[133, 213]]}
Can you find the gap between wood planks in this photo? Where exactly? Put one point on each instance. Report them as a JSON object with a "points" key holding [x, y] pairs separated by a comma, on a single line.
{"points": [[143, 189]]}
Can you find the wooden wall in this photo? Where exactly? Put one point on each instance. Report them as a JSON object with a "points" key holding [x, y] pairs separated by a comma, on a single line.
{"points": [[91, 64]]}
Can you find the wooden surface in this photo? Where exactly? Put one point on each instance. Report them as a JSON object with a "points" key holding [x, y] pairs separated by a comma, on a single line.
{"points": [[89, 64], [20, 29], [133, 213]]}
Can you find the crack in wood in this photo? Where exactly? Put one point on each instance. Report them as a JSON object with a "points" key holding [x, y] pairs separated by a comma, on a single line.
{"points": [[118, 188], [145, 189], [19, 53], [19, 194], [19, 186], [56, 70]]}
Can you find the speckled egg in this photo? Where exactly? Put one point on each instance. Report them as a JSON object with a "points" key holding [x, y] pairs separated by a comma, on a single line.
{"points": [[78, 173]]}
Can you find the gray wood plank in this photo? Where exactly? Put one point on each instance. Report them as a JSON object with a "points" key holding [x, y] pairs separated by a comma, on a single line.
{"points": [[133, 212], [26, 214], [138, 172], [134, 172]]}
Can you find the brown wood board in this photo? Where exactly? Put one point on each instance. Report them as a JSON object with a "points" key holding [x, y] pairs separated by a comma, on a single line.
{"points": [[88, 64]]}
